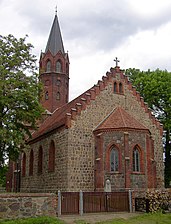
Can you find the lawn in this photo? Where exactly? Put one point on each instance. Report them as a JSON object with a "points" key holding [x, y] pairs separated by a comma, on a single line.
{"points": [[38, 220], [158, 218]]}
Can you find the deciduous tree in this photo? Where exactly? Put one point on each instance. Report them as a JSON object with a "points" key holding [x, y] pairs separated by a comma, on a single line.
{"points": [[19, 94]]}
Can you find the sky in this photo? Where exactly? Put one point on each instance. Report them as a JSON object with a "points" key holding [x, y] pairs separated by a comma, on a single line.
{"points": [[94, 32]]}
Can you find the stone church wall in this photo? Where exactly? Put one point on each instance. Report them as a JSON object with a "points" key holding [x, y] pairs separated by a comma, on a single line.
{"points": [[48, 181]]}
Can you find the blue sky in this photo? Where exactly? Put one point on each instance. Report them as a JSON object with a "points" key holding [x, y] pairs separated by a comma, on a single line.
{"points": [[94, 32]]}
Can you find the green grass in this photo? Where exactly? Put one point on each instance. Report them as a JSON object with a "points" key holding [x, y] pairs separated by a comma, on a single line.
{"points": [[157, 218], [37, 220]]}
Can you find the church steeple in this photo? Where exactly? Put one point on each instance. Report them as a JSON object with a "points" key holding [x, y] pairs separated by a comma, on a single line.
{"points": [[54, 70], [55, 43]]}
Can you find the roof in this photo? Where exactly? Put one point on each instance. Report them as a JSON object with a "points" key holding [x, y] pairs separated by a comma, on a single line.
{"points": [[55, 43], [120, 119], [58, 118]]}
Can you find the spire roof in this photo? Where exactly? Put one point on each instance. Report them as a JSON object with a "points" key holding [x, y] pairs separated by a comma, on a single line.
{"points": [[55, 43]]}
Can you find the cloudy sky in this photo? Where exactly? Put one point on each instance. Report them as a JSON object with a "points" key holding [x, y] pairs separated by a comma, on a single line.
{"points": [[94, 32]]}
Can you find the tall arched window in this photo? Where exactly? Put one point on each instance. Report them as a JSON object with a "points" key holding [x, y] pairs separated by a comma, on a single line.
{"points": [[136, 159], [52, 157], [58, 66], [24, 165], [114, 160], [40, 160], [48, 66], [31, 161], [115, 87], [120, 88]]}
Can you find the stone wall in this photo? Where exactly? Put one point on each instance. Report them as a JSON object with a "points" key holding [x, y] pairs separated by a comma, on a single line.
{"points": [[48, 181], [27, 205]]}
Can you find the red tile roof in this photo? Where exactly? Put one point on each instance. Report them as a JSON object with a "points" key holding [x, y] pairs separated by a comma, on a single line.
{"points": [[57, 119], [120, 119]]}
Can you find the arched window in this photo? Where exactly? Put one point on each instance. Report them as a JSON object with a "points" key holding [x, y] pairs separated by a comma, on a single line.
{"points": [[46, 95], [136, 159], [24, 165], [31, 161], [114, 160], [115, 87], [58, 66], [52, 157], [40, 160], [48, 66], [120, 88], [58, 95]]}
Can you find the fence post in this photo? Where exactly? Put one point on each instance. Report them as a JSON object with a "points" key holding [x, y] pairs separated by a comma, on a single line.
{"points": [[59, 203], [130, 201], [81, 203]]}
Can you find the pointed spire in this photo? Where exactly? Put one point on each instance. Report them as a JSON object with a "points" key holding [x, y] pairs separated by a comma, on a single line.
{"points": [[55, 43]]}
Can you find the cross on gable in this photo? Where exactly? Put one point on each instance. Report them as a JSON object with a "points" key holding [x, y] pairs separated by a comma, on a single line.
{"points": [[116, 60]]}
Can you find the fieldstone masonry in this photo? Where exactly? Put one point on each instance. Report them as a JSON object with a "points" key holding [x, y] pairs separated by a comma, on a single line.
{"points": [[14, 206]]}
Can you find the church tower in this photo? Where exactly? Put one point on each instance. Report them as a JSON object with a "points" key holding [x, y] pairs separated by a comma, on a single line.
{"points": [[54, 71]]}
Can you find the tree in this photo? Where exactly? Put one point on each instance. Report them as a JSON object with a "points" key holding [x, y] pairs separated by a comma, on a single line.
{"points": [[19, 95], [155, 87], [3, 171]]}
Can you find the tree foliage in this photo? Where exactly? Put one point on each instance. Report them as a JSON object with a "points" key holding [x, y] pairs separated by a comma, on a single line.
{"points": [[3, 172], [19, 94], [155, 87]]}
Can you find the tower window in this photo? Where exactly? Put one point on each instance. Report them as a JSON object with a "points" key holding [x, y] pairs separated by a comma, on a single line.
{"points": [[58, 96], [114, 160], [136, 160], [48, 66], [47, 82], [67, 68], [58, 82], [46, 95], [58, 66]]}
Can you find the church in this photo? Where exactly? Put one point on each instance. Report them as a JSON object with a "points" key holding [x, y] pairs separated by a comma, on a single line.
{"points": [[105, 136]]}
